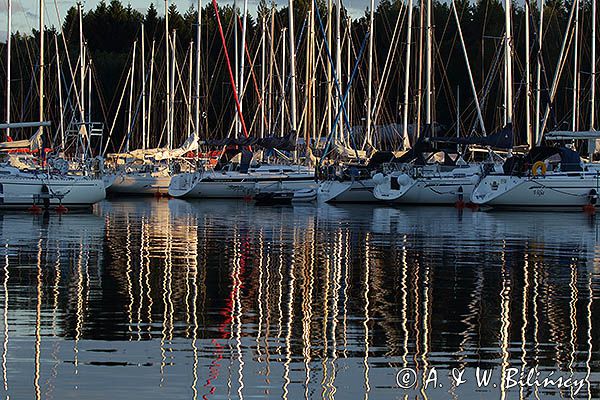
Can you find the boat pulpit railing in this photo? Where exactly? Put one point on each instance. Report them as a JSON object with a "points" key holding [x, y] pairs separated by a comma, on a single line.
{"points": [[388, 168]]}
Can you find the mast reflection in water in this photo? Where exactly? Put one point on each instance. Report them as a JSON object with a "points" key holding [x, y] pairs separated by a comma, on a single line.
{"points": [[171, 299]]}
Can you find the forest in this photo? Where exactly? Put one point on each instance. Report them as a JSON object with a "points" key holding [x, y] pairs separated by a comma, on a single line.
{"points": [[111, 28]]}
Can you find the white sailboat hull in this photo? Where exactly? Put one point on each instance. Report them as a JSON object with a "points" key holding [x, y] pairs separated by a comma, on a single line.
{"points": [[357, 191], [140, 184], [439, 189], [73, 192], [216, 189], [234, 185], [108, 180], [555, 190]]}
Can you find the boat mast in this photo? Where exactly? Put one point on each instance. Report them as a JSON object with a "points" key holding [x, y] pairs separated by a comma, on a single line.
{"points": [[457, 111], [428, 67], [593, 70], [143, 58], [129, 112], [61, 125], [576, 69], [471, 81], [529, 129], [229, 69], [338, 66], [313, 133], [329, 79], [8, 59], [147, 143], [307, 110], [592, 143], [407, 73], [349, 66], [172, 89], [198, 51], [41, 61], [557, 73], [89, 79], [508, 61], [538, 82], [370, 72], [168, 71], [242, 55], [504, 86], [420, 68], [262, 77], [189, 94], [236, 65], [291, 38], [81, 68], [282, 81], [270, 122]]}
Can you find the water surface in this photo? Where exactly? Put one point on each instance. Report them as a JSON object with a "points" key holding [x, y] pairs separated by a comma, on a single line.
{"points": [[147, 299]]}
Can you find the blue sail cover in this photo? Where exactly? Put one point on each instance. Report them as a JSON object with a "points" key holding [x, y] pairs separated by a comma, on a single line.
{"points": [[246, 160], [569, 160], [281, 143], [503, 139]]}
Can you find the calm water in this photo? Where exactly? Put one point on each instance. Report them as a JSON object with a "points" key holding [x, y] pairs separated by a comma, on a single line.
{"points": [[148, 299]]}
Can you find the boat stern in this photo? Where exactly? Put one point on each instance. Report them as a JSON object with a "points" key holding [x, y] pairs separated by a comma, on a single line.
{"points": [[392, 186], [492, 187], [182, 184]]}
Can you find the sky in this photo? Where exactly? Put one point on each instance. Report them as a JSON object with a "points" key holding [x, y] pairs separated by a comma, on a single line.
{"points": [[25, 12]]}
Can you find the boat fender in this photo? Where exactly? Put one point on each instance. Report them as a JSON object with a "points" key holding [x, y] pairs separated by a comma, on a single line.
{"points": [[460, 203], [539, 168], [593, 197], [46, 198], [34, 209], [378, 178], [590, 207], [403, 180]]}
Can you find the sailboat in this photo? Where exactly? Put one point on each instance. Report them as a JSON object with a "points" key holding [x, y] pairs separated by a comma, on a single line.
{"points": [[354, 184], [238, 174], [551, 175], [24, 183], [148, 171], [34, 184], [547, 177], [242, 184], [351, 181], [351, 188], [143, 179], [426, 175]]}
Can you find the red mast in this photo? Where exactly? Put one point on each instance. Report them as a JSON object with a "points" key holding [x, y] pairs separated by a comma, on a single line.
{"points": [[232, 81]]}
